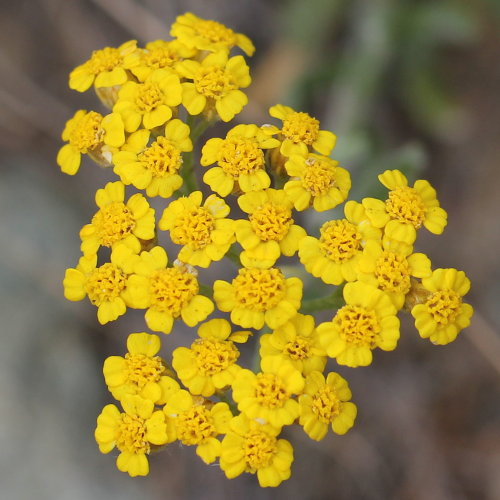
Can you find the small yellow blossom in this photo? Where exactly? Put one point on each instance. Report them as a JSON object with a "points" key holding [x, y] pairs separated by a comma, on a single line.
{"points": [[316, 181], [208, 35], [198, 422], [254, 448], [140, 371], [269, 231], [334, 257], [368, 320], [259, 296], [204, 231], [134, 433], [296, 341], [167, 292], [443, 314], [240, 160], [116, 222], [210, 363], [326, 403], [215, 85]]}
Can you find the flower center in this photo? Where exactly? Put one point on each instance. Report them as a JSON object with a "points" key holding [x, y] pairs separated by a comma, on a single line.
{"points": [[260, 449], [193, 228], [326, 404], [393, 273], [194, 426], [319, 176], [214, 356], [131, 436], [340, 240], [149, 97], [406, 205], [271, 221], [213, 82], [300, 348], [142, 369], [105, 284], [444, 306], [358, 326], [216, 32], [160, 57], [240, 155], [300, 127], [259, 289], [113, 223], [270, 391], [162, 158], [104, 60], [172, 289], [87, 133]]}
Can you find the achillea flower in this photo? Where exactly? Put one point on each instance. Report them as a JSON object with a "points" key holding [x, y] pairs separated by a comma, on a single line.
{"points": [[203, 230], [251, 447], [267, 396], [134, 432], [269, 231], [442, 314], [240, 160], [334, 257], [215, 85], [90, 133], [210, 363], [259, 296], [154, 168], [296, 341], [140, 371], [105, 286], [406, 209], [198, 422], [208, 35], [116, 222], [167, 292], [368, 320], [106, 68], [316, 181], [149, 103], [325, 403]]}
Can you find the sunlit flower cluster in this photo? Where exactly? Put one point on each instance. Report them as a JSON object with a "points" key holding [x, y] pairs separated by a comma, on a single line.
{"points": [[242, 200]]}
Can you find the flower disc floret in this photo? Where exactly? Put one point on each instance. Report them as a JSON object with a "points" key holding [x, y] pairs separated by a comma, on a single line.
{"points": [[258, 289]]}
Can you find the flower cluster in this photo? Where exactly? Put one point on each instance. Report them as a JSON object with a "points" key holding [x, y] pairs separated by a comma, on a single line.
{"points": [[161, 99]]}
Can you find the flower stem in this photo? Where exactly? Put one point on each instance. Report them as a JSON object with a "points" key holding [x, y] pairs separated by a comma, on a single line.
{"points": [[332, 301]]}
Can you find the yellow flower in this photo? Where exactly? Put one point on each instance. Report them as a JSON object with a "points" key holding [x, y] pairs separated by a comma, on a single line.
{"points": [[254, 448], [149, 103], [208, 35], [316, 181], [259, 296], [270, 230], [334, 257], [296, 341], [140, 371], [198, 422], [391, 269], [368, 320], [133, 433], [406, 209], [105, 286], [167, 292], [443, 314], [240, 160], [204, 231], [325, 403], [105, 68], [154, 168], [116, 222], [215, 85], [210, 363], [90, 133], [300, 132]]}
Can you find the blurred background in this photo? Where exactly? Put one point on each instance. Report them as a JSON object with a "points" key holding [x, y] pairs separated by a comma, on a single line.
{"points": [[408, 84]]}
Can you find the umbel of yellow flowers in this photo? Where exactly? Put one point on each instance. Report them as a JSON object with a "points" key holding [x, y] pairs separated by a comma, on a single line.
{"points": [[161, 99]]}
